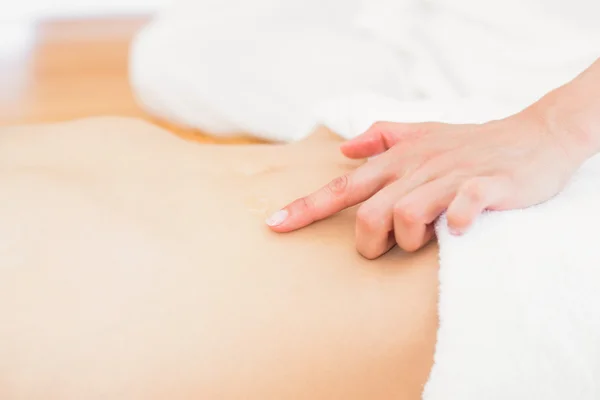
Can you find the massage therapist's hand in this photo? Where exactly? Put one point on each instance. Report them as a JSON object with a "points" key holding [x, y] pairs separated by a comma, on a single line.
{"points": [[422, 170]]}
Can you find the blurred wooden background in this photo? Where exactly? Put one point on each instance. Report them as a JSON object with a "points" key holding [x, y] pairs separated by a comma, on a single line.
{"points": [[57, 70]]}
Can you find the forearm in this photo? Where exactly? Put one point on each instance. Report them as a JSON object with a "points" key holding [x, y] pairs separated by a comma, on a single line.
{"points": [[573, 112]]}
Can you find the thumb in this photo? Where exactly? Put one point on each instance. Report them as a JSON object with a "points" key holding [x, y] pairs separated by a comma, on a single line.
{"points": [[380, 137], [475, 196]]}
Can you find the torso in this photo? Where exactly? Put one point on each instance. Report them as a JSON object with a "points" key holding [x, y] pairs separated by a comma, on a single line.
{"points": [[135, 265]]}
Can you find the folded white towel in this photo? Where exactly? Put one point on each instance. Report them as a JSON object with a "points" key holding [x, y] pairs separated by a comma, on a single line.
{"points": [[519, 302], [237, 66], [260, 67]]}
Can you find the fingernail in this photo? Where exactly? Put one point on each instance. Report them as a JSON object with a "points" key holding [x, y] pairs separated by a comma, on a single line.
{"points": [[277, 218], [455, 232]]}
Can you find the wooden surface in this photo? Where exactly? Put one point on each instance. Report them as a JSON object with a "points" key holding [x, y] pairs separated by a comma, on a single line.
{"points": [[60, 70]]}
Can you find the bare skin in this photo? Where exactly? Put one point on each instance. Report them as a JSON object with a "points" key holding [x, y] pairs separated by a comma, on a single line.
{"points": [[423, 170], [134, 265]]}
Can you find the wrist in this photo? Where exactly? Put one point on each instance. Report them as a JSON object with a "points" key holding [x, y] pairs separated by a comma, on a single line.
{"points": [[572, 116]]}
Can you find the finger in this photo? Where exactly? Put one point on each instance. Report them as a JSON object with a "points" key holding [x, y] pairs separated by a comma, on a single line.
{"points": [[415, 213], [343, 192], [390, 244], [473, 197], [374, 232], [380, 137], [374, 219], [386, 246]]}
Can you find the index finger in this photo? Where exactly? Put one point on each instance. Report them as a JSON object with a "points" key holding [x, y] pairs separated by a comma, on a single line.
{"points": [[342, 192]]}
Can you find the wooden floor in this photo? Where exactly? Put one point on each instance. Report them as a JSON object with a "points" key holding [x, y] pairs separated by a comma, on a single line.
{"points": [[60, 70]]}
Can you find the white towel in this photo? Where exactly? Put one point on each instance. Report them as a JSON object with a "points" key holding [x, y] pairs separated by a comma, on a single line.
{"points": [[519, 302], [257, 67], [266, 67]]}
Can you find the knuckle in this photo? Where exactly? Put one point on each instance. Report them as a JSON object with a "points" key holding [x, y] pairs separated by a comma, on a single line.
{"points": [[339, 185], [416, 166], [306, 204], [406, 242], [406, 214], [473, 190], [367, 218], [401, 171]]}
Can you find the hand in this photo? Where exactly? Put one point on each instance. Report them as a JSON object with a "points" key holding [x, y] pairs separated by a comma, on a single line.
{"points": [[425, 169]]}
